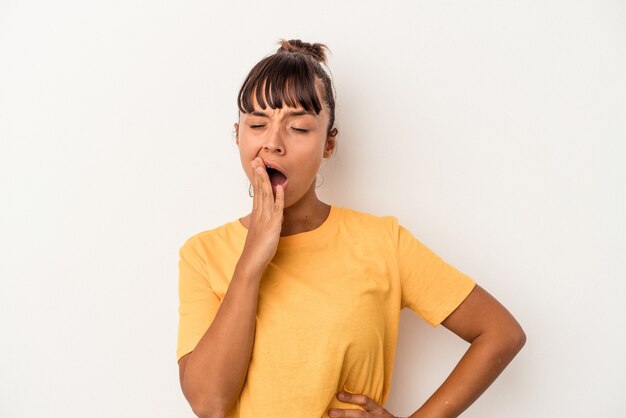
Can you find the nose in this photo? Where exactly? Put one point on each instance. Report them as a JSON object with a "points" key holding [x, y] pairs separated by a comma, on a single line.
{"points": [[274, 142]]}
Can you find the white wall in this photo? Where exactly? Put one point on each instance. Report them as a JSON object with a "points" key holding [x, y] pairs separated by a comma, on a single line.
{"points": [[494, 130]]}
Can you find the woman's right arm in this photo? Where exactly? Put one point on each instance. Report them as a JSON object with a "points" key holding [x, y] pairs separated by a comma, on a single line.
{"points": [[213, 374]]}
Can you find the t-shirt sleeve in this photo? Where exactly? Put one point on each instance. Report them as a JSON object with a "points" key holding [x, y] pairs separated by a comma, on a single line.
{"points": [[198, 303], [431, 287]]}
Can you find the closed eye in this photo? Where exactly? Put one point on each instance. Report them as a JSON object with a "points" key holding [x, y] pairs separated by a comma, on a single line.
{"points": [[300, 130], [256, 126]]}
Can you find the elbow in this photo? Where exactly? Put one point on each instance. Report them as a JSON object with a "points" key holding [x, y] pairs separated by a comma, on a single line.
{"points": [[515, 340], [521, 342], [205, 400], [203, 407], [519, 339], [205, 411], [504, 344]]}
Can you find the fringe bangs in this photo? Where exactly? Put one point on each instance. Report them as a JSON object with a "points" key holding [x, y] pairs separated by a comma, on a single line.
{"points": [[278, 80]]}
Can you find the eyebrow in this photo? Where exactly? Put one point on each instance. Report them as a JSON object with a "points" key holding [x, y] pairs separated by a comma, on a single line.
{"points": [[290, 113]]}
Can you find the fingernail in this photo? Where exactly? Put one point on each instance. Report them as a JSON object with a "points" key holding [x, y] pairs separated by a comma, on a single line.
{"points": [[342, 395], [333, 413]]}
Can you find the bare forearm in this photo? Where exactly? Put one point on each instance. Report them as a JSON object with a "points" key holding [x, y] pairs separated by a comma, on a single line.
{"points": [[216, 369], [478, 368]]}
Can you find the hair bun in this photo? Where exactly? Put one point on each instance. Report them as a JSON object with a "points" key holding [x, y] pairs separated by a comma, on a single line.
{"points": [[317, 51]]}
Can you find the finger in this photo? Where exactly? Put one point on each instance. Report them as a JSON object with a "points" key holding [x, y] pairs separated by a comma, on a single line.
{"points": [[266, 189], [363, 401], [279, 202], [255, 185], [349, 413], [262, 179]]}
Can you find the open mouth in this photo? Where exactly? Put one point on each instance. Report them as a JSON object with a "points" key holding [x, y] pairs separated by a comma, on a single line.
{"points": [[276, 177]]}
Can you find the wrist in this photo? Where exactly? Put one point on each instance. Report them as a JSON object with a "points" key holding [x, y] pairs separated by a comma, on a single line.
{"points": [[248, 268]]}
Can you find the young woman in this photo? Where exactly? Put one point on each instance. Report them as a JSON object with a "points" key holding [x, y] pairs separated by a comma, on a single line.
{"points": [[293, 309]]}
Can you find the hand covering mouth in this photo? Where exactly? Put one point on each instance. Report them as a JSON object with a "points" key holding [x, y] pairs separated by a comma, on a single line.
{"points": [[276, 176]]}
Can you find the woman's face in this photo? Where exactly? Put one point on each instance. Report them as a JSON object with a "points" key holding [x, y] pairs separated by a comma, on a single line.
{"points": [[289, 139]]}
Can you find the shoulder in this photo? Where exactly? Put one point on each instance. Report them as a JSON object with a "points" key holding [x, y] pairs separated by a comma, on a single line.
{"points": [[369, 223], [218, 236]]}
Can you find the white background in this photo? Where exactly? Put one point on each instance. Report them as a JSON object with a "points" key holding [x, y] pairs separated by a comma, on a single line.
{"points": [[494, 130]]}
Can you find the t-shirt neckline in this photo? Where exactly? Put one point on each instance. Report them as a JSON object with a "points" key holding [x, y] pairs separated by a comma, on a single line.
{"points": [[303, 238]]}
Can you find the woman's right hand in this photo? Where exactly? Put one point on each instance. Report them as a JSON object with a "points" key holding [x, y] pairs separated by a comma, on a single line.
{"points": [[266, 220]]}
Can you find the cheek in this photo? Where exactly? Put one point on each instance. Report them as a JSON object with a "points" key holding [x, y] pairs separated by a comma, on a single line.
{"points": [[310, 163], [245, 159]]}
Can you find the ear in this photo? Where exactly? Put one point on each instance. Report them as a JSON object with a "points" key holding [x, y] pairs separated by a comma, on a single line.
{"points": [[236, 132], [331, 143]]}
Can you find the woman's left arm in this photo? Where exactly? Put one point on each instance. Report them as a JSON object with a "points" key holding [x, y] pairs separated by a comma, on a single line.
{"points": [[495, 338]]}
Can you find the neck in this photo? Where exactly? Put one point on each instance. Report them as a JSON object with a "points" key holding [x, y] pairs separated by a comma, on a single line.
{"points": [[304, 216]]}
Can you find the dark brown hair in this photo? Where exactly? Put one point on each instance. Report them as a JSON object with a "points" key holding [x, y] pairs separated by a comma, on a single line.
{"points": [[290, 76]]}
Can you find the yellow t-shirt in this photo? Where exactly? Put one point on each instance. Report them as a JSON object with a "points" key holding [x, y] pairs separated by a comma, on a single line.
{"points": [[328, 311]]}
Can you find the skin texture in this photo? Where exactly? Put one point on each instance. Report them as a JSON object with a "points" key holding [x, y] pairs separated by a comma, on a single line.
{"points": [[212, 388]]}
